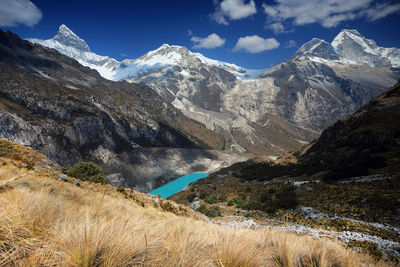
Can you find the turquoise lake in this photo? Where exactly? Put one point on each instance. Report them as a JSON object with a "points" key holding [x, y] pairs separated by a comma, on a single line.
{"points": [[177, 185]]}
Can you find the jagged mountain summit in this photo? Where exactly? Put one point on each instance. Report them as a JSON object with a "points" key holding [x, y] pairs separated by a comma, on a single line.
{"points": [[351, 45], [317, 48], [69, 44]]}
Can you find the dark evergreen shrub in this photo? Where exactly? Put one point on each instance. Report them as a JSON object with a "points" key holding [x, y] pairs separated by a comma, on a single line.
{"points": [[87, 171]]}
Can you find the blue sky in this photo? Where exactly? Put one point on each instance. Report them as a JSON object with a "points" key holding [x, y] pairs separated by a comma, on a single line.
{"points": [[251, 34]]}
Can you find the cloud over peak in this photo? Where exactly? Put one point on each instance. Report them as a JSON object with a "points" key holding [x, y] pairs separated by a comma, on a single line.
{"points": [[233, 10], [290, 44], [255, 44], [14, 12], [328, 13], [211, 41]]}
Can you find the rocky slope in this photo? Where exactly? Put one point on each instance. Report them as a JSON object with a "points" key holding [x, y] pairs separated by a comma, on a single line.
{"points": [[70, 113], [366, 142]]}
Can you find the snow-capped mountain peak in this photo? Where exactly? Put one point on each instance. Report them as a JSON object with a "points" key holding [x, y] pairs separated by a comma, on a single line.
{"points": [[353, 46], [317, 48], [169, 56], [70, 44], [68, 38], [368, 45], [177, 54]]}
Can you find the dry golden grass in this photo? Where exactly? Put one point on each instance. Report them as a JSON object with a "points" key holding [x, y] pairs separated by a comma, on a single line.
{"points": [[19, 152], [47, 222]]}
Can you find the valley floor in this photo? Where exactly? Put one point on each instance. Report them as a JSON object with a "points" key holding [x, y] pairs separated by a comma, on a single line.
{"points": [[47, 220]]}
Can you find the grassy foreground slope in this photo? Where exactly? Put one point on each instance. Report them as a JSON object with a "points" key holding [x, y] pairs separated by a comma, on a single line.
{"points": [[49, 222]]}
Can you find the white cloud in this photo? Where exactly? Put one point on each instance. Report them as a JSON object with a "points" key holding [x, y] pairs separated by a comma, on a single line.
{"points": [[211, 41], [190, 33], [255, 44], [290, 44], [276, 27], [14, 12], [328, 13], [233, 10], [380, 11]]}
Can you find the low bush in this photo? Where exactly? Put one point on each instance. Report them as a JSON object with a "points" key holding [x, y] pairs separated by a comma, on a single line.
{"points": [[203, 194], [191, 197], [222, 198], [87, 171], [212, 211], [287, 198], [120, 189], [211, 199]]}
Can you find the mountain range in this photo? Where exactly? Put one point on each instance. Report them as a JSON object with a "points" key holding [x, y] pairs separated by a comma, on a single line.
{"points": [[295, 100]]}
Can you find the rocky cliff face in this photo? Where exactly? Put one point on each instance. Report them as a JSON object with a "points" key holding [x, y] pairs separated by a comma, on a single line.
{"points": [[314, 92], [70, 113]]}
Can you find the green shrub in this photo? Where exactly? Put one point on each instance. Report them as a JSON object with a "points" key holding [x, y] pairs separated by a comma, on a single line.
{"points": [[287, 198], [120, 189], [203, 194], [240, 203], [191, 197], [212, 211], [211, 199], [87, 171], [222, 198], [231, 202]]}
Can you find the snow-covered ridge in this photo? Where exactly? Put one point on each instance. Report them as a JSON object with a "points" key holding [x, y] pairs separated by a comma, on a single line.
{"points": [[175, 55], [349, 46], [69, 44]]}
